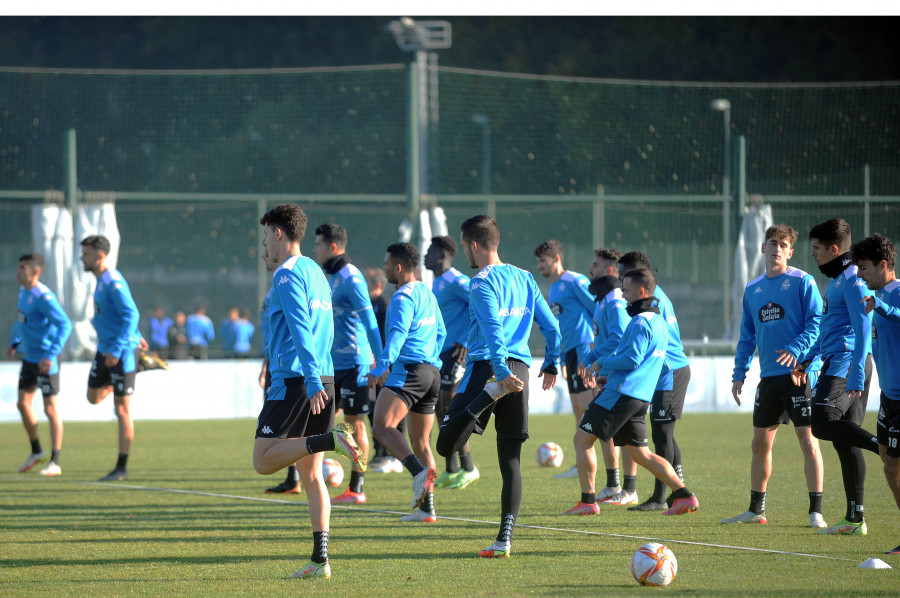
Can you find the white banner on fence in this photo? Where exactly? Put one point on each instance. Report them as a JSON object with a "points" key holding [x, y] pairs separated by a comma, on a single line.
{"points": [[225, 389]]}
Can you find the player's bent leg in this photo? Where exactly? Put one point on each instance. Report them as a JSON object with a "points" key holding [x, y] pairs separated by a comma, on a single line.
{"points": [[29, 419], [390, 410], [96, 395], [270, 455]]}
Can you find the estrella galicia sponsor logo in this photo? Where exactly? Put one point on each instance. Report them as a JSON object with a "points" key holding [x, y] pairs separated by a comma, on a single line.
{"points": [[770, 312]]}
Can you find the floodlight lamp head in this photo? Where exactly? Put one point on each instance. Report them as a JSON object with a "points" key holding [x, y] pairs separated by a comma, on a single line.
{"points": [[720, 105], [412, 36]]}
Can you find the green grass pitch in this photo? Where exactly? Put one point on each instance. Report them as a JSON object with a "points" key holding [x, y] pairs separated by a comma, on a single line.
{"points": [[69, 536]]}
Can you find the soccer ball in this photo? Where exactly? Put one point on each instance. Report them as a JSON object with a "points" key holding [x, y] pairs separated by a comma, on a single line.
{"points": [[654, 565], [332, 472], [549, 454]]}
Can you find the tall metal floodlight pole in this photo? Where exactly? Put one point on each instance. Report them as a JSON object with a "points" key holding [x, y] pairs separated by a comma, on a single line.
{"points": [[724, 106], [419, 37]]}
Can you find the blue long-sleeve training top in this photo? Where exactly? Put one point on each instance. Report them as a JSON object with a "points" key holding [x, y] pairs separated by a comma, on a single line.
{"points": [[452, 291], [301, 326], [779, 312], [199, 330], [573, 305], [264, 323], [845, 331], [414, 332], [886, 338], [42, 327], [356, 334], [504, 301], [675, 357], [635, 366], [610, 320], [115, 315]]}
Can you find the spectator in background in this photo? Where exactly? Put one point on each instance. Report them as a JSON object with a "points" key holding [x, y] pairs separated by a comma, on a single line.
{"points": [[159, 331], [177, 337], [228, 333], [199, 331], [243, 334]]}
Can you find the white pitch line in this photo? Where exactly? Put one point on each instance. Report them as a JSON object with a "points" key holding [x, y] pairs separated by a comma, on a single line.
{"points": [[464, 520]]}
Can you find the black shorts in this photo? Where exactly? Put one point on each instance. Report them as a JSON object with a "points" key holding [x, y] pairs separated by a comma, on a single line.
{"points": [[779, 401], [889, 426], [451, 371], [573, 380], [286, 412], [121, 381], [830, 401], [511, 411], [421, 387], [667, 405], [350, 395], [624, 423], [30, 378]]}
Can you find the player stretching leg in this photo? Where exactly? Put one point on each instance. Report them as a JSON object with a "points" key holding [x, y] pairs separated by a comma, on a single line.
{"points": [[408, 370], [296, 420], [504, 302]]}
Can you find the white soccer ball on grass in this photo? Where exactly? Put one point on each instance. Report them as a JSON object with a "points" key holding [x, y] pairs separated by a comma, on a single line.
{"points": [[654, 565], [549, 454]]}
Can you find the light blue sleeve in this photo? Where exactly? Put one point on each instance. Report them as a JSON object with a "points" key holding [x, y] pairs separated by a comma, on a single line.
{"points": [[633, 348], [801, 346], [53, 311], [887, 311], [746, 345], [862, 329], [549, 327], [128, 312], [399, 319], [295, 306], [362, 305]]}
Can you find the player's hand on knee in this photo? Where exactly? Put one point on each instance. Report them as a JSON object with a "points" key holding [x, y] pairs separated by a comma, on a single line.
{"points": [[511, 384]]}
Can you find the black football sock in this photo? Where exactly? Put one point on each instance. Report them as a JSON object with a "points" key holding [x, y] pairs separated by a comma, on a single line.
{"points": [[54, 456], [453, 463], [465, 459], [757, 502], [815, 502], [630, 483], [356, 481], [292, 474], [320, 548], [612, 478], [123, 460], [413, 465], [320, 443], [588, 498], [35, 446]]}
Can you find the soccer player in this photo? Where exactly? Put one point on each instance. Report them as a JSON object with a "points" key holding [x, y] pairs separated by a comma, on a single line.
{"points": [[296, 420], [875, 258], [504, 302], [200, 332], [781, 314], [409, 369], [177, 335], [41, 332], [573, 306], [158, 338], [228, 333], [668, 401], [451, 287], [610, 319], [842, 390], [356, 339], [243, 334], [116, 321], [628, 380]]}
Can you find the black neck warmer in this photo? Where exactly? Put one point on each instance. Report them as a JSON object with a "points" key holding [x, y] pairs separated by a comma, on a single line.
{"points": [[642, 305], [834, 268], [600, 287], [335, 264]]}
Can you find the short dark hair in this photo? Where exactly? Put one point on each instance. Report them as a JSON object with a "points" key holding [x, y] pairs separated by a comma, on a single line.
{"points": [[376, 276], [875, 249], [36, 260], [635, 259], [446, 244], [608, 254], [483, 230], [98, 242], [832, 232], [643, 277], [333, 233], [288, 217], [781, 231], [406, 253], [549, 248]]}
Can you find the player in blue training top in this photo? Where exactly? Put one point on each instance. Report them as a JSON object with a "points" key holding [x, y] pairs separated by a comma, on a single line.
{"points": [[504, 302], [628, 378], [200, 332], [356, 336], [875, 258], [228, 332], [668, 401], [296, 420], [408, 368], [451, 287], [40, 333], [573, 306], [610, 319], [781, 314], [845, 343], [116, 321]]}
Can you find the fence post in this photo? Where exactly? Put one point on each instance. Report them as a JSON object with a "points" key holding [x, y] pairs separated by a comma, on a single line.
{"points": [[71, 157], [867, 221], [599, 217]]}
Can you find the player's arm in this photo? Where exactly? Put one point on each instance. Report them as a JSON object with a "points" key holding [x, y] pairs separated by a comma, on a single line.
{"points": [[746, 346], [362, 305], [399, 320], [854, 296], [549, 327], [631, 351], [441, 327], [484, 303], [811, 301], [884, 309], [128, 315], [294, 300], [617, 319], [53, 311]]}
